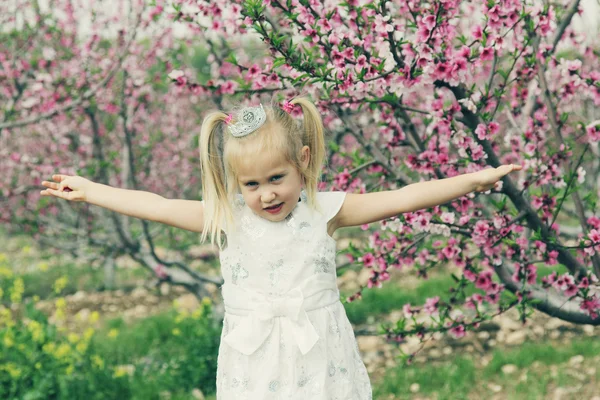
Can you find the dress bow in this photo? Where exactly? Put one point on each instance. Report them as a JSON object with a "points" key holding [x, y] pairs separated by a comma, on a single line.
{"points": [[254, 328]]}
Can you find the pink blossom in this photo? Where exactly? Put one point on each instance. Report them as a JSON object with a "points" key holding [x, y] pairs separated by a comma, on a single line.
{"points": [[550, 279], [571, 290], [458, 331], [341, 179], [333, 39], [423, 34], [484, 280], [487, 54], [431, 305], [228, 87], [408, 311], [531, 274], [368, 260], [477, 32], [591, 305], [156, 11], [111, 108], [325, 25], [160, 271], [253, 72], [552, 257], [429, 21], [469, 275], [481, 228], [594, 236], [481, 132]]}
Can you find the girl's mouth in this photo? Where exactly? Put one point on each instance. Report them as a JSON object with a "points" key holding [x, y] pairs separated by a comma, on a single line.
{"points": [[274, 210]]}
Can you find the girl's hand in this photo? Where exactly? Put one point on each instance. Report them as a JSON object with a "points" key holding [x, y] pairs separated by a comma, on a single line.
{"points": [[73, 188], [486, 179]]}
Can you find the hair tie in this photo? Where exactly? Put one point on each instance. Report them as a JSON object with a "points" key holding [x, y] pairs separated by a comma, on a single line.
{"points": [[287, 107], [228, 119]]}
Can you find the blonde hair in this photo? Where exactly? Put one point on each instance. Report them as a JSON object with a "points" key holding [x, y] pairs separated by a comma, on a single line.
{"points": [[221, 154]]}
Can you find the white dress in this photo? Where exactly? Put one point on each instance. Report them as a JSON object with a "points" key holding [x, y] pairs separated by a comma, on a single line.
{"points": [[285, 332]]}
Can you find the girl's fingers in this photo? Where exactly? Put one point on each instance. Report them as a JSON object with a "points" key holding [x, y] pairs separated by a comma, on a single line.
{"points": [[59, 177], [50, 185]]}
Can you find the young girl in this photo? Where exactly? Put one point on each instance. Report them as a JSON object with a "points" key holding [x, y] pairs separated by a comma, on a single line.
{"points": [[285, 332]]}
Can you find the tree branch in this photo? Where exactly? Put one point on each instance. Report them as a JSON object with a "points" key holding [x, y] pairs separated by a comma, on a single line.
{"points": [[547, 301]]}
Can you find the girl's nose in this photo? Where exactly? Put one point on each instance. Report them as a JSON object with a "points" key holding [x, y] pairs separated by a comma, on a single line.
{"points": [[268, 197]]}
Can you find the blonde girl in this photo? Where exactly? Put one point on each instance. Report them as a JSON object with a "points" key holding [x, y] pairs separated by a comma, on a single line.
{"points": [[285, 332]]}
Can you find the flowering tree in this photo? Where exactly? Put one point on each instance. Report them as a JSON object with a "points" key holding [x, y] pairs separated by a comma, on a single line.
{"points": [[428, 90], [84, 91], [411, 91]]}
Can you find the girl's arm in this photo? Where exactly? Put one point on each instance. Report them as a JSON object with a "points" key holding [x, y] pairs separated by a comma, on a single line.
{"points": [[359, 209], [185, 214]]}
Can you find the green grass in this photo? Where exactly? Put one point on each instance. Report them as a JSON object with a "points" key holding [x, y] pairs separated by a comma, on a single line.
{"points": [[448, 381], [546, 353], [460, 377], [163, 360], [380, 301]]}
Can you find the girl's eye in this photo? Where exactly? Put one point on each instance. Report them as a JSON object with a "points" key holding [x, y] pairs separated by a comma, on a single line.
{"points": [[275, 178]]}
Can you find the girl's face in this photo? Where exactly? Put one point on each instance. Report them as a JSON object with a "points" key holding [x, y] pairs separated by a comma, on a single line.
{"points": [[272, 181]]}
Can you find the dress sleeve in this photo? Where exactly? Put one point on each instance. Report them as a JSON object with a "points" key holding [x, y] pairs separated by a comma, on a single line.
{"points": [[332, 203]]}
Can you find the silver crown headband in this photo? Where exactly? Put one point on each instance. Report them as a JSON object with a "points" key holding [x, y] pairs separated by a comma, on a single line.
{"points": [[249, 119]]}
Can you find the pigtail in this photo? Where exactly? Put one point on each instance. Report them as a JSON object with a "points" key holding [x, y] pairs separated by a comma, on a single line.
{"points": [[313, 135], [217, 209]]}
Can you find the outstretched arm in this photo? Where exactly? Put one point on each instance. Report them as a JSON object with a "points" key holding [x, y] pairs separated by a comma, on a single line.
{"points": [[180, 213], [359, 209]]}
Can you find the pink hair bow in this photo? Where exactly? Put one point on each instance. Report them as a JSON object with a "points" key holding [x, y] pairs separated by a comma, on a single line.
{"points": [[287, 107]]}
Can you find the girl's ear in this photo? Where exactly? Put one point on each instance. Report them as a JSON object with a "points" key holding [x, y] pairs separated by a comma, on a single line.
{"points": [[305, 156]]}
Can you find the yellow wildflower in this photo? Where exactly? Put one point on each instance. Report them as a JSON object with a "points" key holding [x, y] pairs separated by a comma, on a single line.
{"points": [[206, 301], [17, 290], [97, 361], [49, 348], [73, 337], [5, 272], [6, 317], [12, 370], [9, 339], [176, 332], [197, 313], [36, 330], [122, 370], [43, 266], [60, 284], [183, 314], [113, 333], [87, 335], [62, 351], [59, 314], [81, 347], [94, 316]]}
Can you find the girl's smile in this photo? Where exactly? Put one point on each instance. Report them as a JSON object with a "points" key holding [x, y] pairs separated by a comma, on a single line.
{"points": [[274, 209]]}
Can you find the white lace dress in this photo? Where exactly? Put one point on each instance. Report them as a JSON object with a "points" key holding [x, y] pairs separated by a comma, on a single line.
{"points": [[285, 332]]}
